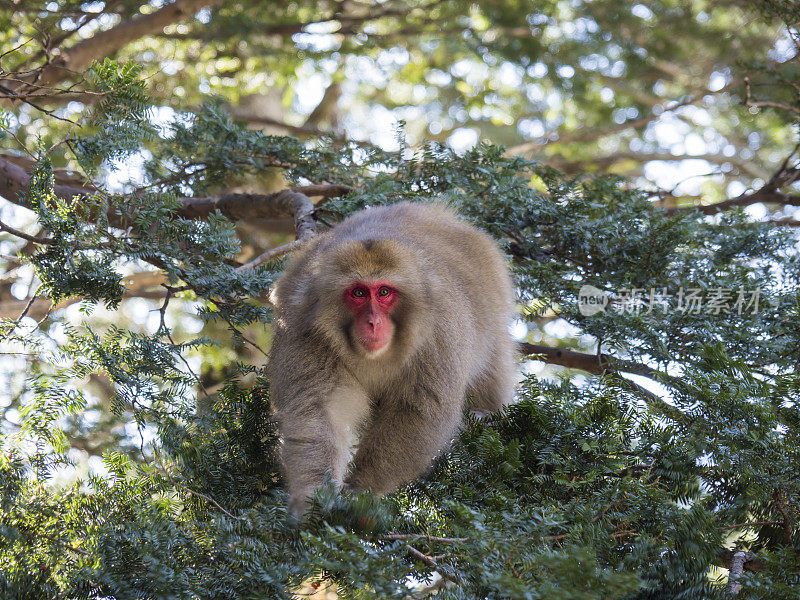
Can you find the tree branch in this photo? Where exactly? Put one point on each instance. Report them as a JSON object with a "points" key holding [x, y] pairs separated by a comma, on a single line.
{"points": [[787, 521], [55, 540], [25, 236], [326, 109], [106, 43], [598, 364], [347, 22], [603, 364], [764, 194], [291, 203], [431, 562], [241, 206], [786, 222], [391, 537], [302, 131], [748, 101], [326, 190], [271, 254], [770, 192], [752, 563], [14, 180], [39, 307], [608, 160], [735, 572], [587, 134]]}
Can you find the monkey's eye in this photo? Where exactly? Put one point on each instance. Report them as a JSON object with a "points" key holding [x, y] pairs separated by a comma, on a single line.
{"points": [[384, 291], [358, 293]]}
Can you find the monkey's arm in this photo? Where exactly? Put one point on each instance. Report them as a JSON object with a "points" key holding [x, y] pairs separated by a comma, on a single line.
{"points": [[402, 441], [301, 390], [309, 451], [318, 423]]}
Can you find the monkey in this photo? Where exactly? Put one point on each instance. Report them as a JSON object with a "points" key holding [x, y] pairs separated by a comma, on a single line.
{"points": [[386, 327]]}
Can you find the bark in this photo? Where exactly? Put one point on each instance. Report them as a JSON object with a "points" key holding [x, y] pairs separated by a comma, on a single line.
{"points": [[591, 363], [292, 203], [737, 567], [751, 563], [14, 181]]}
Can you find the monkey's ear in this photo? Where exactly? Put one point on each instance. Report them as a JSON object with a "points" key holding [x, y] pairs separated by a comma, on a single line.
{"points": [[296, 292]]}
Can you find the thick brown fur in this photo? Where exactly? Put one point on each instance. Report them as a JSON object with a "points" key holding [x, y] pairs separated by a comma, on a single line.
{"points": [[404, 406]]}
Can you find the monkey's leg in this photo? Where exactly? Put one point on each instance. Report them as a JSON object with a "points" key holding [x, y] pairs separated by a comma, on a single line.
{"points": [[494, 389], [401, 442], [317, 441], [309, 454]]}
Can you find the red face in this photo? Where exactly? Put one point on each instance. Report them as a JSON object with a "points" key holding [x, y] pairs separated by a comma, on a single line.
{"points": [[371, 303]]}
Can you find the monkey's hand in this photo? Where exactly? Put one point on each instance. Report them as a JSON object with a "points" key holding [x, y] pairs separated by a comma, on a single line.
{"points": [[298, 506]]}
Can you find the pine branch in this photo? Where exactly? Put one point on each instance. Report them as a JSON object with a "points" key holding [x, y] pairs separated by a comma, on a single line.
{"points": [[592, 363], [292, 203], [21, 234], [769, 193], [764, 194], [431, 562]]}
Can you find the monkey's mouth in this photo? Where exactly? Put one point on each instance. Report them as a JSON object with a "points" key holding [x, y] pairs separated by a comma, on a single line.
{"points": [[374, 346]]}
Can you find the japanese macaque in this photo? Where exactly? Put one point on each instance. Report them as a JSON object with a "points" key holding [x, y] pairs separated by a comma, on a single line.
{"points": [[387, 326]]}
